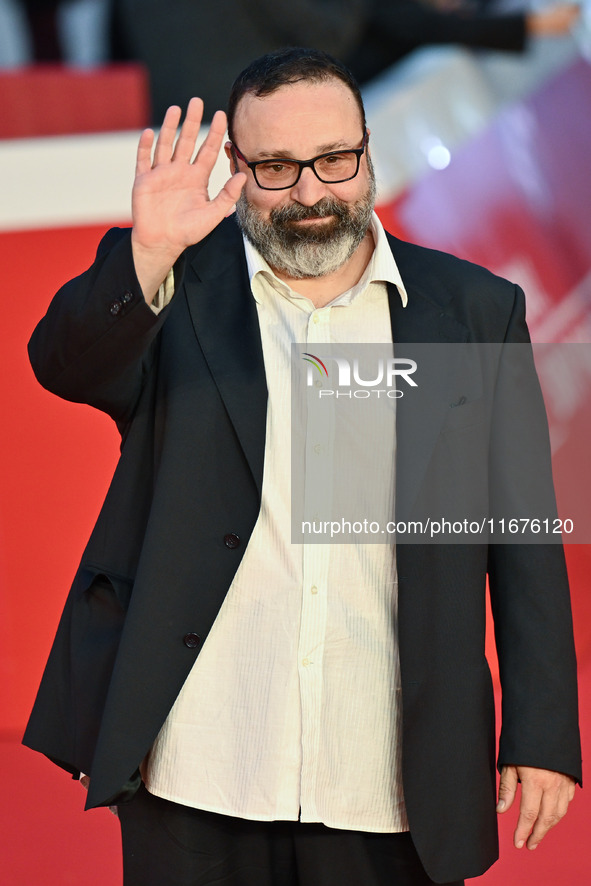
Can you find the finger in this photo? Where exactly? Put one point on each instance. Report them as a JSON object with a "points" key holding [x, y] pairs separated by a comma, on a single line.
{"points": [[551, 811], [187, 139], [507, 788], [227, 197], [167, 135], [144, 152], [529, 809], [210, 149], [553, 808]]}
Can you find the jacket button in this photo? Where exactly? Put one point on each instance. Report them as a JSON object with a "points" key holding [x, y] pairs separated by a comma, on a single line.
{"points": [[127, 297], [191, 640], [231, 540], [115, 307]]}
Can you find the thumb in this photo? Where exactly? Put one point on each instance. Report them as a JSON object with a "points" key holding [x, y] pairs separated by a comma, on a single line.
{"points": [[230, 193], [507, 788]]}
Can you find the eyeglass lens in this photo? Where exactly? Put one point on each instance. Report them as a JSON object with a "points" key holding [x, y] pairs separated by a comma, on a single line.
{"points": [[284, 173]]}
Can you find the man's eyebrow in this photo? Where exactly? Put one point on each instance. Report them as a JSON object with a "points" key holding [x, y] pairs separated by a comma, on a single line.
{"points": [[281, 154]]}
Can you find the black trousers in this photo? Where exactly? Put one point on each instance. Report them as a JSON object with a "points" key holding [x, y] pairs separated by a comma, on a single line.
{"points": [[165, 844]]}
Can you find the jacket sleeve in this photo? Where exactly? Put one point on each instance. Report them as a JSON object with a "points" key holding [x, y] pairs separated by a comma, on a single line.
{"points": [[528, 582], [97, 340], [401, 26], [416, 24]]}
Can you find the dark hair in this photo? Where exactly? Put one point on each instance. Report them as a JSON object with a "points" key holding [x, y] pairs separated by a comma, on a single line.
{"points": [[286, 66]]}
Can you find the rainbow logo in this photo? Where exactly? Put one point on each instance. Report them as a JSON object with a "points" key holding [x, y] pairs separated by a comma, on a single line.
{"points": [[316, 362]]}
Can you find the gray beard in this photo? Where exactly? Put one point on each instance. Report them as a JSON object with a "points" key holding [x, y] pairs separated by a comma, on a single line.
{"points": [[305, 251]]}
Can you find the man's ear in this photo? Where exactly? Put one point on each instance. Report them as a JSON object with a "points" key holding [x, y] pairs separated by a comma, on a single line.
{"points": [[228, 148]]}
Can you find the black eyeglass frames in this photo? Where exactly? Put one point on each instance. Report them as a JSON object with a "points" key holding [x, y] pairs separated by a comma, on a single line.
{"points": [[277, 174]]}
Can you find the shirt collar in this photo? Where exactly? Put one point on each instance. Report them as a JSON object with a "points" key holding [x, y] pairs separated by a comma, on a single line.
{"points": [[381, 268]]}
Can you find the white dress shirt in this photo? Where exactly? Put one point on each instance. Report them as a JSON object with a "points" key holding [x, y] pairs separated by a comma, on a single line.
{"points": [[292, 709]]}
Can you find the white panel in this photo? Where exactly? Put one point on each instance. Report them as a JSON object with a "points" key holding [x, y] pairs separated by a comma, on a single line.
{"points": [[71, 180]]}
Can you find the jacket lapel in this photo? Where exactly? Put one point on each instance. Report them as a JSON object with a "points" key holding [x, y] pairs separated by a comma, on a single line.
{"points": [[420, 332], [224, 316]]}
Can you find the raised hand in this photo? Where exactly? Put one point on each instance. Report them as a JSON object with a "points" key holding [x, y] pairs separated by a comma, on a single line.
{"points": [[171, 208]]}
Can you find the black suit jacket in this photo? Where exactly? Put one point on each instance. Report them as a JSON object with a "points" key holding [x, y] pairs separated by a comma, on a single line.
{"points": [[187, 389]]}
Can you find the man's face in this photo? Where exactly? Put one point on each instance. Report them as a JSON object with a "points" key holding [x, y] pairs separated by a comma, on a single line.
{"points": [[312, 228]]}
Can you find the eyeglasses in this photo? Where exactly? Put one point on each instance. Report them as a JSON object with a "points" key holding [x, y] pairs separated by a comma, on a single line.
{"points": [[281, 173]]}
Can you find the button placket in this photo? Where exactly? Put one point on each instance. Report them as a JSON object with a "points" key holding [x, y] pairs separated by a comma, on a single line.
{"points": [[316, 556]]}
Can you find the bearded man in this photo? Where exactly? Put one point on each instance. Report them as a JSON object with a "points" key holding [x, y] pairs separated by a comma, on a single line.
{"points": [[262, 711]]}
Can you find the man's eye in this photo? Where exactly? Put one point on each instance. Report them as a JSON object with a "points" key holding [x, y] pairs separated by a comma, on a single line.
{"points": [[334, 163], [275, 168]]}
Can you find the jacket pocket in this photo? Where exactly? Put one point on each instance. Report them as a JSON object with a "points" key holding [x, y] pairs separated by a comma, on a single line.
{"points": [[98, 620], [464, 414], [100, 583]]}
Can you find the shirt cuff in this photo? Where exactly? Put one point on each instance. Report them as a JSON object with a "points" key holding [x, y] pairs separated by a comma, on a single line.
{"points": [[165, 293]]}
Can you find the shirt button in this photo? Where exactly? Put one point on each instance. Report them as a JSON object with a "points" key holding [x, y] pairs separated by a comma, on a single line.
{"points": [[115, 307], [313, 589], [318, 449], [231, 540], [306, 662], [191, 640], [127, 297], [315, 318]]}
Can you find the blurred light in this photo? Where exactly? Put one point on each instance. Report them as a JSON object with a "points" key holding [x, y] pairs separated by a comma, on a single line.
{"points": [[438, 157]]}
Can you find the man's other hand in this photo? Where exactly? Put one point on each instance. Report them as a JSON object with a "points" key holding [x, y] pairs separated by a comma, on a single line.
{"points": [[545, 796]]}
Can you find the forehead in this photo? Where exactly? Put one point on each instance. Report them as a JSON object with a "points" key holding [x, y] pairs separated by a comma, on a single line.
{"points": [[298, 119]]}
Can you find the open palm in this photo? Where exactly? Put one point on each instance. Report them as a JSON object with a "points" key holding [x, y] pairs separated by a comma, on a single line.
{"points": [[171, 207]]}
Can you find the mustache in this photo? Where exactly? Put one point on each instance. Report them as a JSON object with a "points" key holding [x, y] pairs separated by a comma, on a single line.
{"points": [[328, 206]]}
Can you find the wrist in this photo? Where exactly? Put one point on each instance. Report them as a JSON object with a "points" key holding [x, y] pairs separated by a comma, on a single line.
{"points": [[152, 265]]}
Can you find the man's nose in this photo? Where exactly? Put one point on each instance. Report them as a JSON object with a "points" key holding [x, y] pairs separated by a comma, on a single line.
{"points": [[309, 189]]}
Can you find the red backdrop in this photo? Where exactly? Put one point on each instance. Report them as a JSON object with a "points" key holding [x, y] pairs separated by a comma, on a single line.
{"points": [[518, 200]]}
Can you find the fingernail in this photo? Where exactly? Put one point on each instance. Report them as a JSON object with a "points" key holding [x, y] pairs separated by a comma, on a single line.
{"points": [[520, 844], [533, 847], [501, 805]]}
